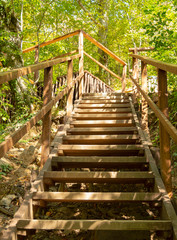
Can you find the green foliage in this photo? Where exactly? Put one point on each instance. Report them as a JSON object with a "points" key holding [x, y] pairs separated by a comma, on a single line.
{"points": [[5, 169]]}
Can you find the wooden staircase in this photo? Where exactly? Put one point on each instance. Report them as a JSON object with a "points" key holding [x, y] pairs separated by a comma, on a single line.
{"points": [[105, 153]]}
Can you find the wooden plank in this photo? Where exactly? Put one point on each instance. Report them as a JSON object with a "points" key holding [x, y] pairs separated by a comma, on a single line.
{"points": [[106, 50], [140, 49], [100, 111], [156, 63], [102, 116], [19, 72], [144, 117], [71, 92], [52, 41], [165, 158], [103, 130], [107, 94], [102, 123], [163, 119], [98, 162], [96, 196], [102, 139], [100, 150], [46, 126], [115, 225], [104, 101], [124, 78], [81, 62], [121, 105], [100, 98], [101, 65], [97, 177]]}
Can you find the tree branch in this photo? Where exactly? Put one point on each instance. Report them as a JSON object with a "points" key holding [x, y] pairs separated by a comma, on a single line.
{"points": [[85, 10]]}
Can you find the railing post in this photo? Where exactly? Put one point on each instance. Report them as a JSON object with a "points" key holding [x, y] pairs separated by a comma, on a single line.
{"points": [[124, 78], [46, 127], [144, 117], [135, 74], [165, 159], [70, 93], [81, 61]]}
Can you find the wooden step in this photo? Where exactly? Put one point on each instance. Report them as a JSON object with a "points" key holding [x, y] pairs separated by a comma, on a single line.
{"points": [[110, 97], [121, 105], [98, 162], [102, 116], [100, 150], [51, 177], [102, 101], [115, 225], [101, 139], [103, 130], [106, 94], [101, 111], [102, 123], [97, 197]]}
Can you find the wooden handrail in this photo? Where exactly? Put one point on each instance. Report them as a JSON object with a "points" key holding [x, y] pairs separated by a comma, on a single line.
{"points": [[17, 135], [106, 50], [141, 49], [13, 74], [52, 41], [165, 122], [156, 63], [107, 69]]}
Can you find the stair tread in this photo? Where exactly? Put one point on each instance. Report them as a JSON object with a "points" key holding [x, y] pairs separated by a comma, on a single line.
{"points": [[103, 116], [95, 224], [102, 101], [103, 137], [96, 196], [100, 147], [121, 105], [99, 110], [97, 177]]}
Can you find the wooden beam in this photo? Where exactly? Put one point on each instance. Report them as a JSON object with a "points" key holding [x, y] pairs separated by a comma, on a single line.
{"points": [[105, 68], [165, 158], [81, 62], [71, 92], [144, 105], [163, 119], [141, 49], [106, 50], [144, 225], [124, 78], [96, 197], [19, 72], [168, 67], [98, 177], [46, 126], [52, 41]]}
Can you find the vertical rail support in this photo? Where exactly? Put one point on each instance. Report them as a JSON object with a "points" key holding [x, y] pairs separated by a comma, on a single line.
{"points": [[165, 159], [71, 92], [124, 78], [144, 118], [81, 61], [46, 127], [135, 75], [36, 60]]}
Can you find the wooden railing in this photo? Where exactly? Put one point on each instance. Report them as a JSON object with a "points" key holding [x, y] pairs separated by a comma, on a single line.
{"points": [[81, 82], [166, 129]]}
